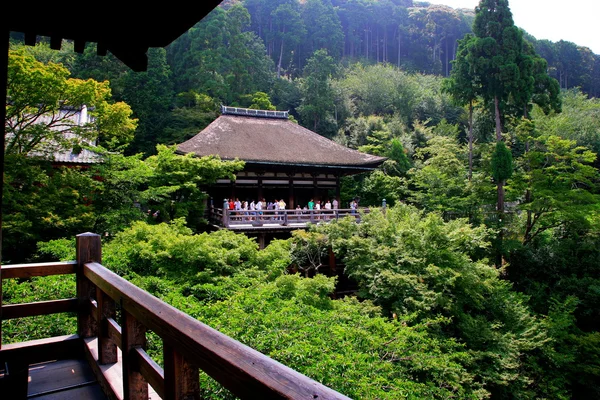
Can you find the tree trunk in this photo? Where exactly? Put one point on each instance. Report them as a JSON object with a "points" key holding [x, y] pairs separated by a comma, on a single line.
{"points": [[280, 59], [446, 56], [470, 140], [399, 46], [497, 119], [377, 44], [499, 188]]}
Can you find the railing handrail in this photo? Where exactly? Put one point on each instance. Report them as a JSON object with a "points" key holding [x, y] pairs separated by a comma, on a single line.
{"points": [[234, 218]]}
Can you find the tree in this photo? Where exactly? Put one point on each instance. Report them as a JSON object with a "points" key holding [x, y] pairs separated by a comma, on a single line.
{"points": [[41, 105], [323, 28], [440, 178], [43, 203], [463, 86], [497, 52], [166, 182], [150, 94], [317, 106], [261, 101], [562, 185], [290, 29]]}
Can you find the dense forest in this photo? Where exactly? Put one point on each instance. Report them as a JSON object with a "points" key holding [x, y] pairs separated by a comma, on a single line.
{"points": [[481, 279]]}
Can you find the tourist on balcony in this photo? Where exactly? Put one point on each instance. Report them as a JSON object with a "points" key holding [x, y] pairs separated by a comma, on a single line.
{"points": [[327, 207], [259, 207]]}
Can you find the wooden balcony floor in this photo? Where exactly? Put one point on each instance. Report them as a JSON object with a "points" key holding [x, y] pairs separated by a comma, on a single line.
{"points": [[63, 380]]}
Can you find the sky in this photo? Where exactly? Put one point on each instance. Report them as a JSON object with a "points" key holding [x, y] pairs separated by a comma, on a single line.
{"points": [[576, 21]]}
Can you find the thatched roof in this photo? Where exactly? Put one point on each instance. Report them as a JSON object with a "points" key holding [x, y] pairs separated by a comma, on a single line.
{"points": [[274, 140]]}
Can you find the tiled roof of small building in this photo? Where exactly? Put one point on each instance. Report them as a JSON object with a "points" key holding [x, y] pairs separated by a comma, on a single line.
{"points": [[277, 140], [83, 157]]}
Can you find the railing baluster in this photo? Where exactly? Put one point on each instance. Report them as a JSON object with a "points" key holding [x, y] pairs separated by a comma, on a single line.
{"points": [[133, 335], [107, 348], [181, 377]]}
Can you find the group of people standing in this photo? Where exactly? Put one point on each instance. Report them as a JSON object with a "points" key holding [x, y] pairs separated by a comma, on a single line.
{"points": [[253, 208]]}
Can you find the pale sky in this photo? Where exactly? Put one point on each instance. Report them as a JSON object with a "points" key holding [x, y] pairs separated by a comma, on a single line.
{"points": [[576, 21]]}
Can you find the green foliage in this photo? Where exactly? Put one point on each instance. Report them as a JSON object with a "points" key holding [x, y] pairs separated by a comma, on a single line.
{"points": [[317, 106], [562, 186], [260, 101], [219, 57], [502, 162], [171, 251], [150, 95], [579, 120], [43, 203], [440, 179], [342, 343], [35, 94], [415, 265], [166, 182]]}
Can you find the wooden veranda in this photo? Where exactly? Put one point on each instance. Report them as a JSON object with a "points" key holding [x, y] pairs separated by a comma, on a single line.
{"points": [[108, 354]]}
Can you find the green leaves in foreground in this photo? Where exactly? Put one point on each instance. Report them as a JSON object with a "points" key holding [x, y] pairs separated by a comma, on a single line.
{"points": [[419, 267], [344, 344]]}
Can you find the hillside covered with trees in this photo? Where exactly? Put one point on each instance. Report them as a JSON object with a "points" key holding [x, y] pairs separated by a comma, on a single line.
{"points": [[481, 279]]}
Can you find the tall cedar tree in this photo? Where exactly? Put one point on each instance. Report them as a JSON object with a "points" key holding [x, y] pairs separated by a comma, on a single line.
{"points": [[497, 55]]}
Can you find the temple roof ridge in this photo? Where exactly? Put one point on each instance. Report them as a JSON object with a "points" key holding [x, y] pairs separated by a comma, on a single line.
{"points": [[250, 112]]}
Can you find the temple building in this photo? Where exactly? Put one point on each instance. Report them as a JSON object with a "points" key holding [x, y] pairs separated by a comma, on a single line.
{"points": [[283, 160]]}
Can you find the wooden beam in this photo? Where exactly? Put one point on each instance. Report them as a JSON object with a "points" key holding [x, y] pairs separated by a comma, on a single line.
{"points": [[152, 372], [36, 351], [39, 308], [41, 269], [114, 331]]}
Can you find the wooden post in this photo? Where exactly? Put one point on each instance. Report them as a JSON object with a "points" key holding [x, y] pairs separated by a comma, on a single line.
{"points": [[133, 335], [16, 380], [260, 186], [225, 214], [181, 377], [107, 348], [4, 79], [337, 191], [291, 199], [261, 241], [88, 250]]}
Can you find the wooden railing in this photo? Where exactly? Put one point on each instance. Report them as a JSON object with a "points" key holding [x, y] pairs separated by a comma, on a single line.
{"points": [[188, 345], [294, 218]]}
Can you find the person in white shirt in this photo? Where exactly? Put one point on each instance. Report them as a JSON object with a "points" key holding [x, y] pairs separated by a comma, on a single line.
{"points": [[318, 208], [259, 208], [327, 206]]}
